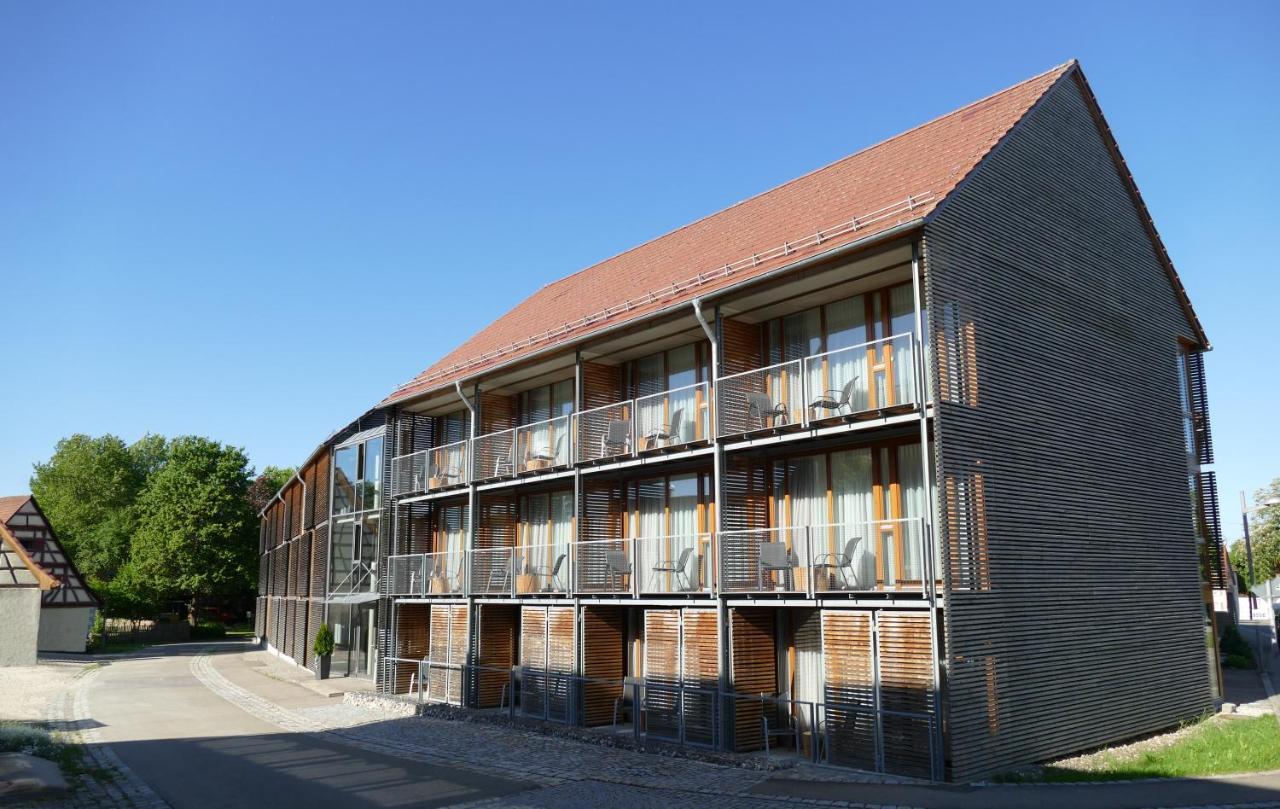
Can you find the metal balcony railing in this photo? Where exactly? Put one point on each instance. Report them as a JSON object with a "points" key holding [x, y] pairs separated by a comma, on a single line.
{"points": [[522, 570], [672, 418], [645, 565], [420, 574], [867, 378], [529, 448], [430, 469], [846, 557]]}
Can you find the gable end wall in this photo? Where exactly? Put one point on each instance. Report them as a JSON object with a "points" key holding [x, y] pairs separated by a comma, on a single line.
{"points": [[1074, 610]]}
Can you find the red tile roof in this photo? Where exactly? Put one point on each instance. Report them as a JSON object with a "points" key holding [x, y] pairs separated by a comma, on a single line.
{"points": [[896, 181], [10, 505]]}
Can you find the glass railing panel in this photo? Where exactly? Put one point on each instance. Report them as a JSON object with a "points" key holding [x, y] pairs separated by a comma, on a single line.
{"points": [[867, 556], [605, 432], [764, 560], [674, 417], [542, 568], [409, 474], [406, 575], [763, 399], [494, 455], [603, 566], [544, 445], [675, 564], [868, 377], [449, 465], [493, 571]]}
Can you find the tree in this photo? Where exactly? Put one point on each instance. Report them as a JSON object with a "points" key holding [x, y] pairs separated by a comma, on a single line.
{"points": [[1264, 536], [197, 535], [87, 490], [267, 484]]}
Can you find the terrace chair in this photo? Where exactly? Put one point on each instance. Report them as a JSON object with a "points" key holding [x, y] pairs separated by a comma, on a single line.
{"points": [[775, 557], [835, 400], [762, 407], [679, 568], [550, 455], [616, 566], [616, 439], [447, 474], [505, 464], [849, 559], [666, 433], [552, 576]]}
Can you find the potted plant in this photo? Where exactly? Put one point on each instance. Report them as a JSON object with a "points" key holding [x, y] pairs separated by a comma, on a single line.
{"points": [[323, 648]]}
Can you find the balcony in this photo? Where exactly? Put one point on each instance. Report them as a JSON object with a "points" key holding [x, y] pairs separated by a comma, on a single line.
{"points": [[665, 420], [431, 469], [529, 448], [639, 566], [865, 380], [882, 555], [422, 574], [524, 570]]}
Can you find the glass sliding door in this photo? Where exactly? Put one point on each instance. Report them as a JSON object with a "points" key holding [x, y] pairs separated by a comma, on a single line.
{"points": [[851, 543], [842, 372]]}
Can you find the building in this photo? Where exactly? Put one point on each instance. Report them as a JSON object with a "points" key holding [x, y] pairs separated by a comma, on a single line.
{"points": [[67, 611], [22, 583], [879, 468]]}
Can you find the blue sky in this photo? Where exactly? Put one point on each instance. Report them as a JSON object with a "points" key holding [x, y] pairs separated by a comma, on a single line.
{"points": [[208, 210]]}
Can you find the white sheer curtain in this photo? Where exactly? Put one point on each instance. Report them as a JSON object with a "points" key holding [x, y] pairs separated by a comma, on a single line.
{"points": [[682, 506], [851, 489], [535, 553], [902, 320], [650, 526], [561, 535], [846, 359], [808, 673], [915, 506], [682, 405], [650, 379], [808, 490]]}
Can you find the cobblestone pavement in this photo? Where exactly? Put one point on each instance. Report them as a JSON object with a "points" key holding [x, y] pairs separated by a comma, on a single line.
{"points": [[116, 787]]}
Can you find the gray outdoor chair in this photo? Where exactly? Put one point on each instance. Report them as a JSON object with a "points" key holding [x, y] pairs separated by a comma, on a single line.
{"points": [[844, 561], [762, 407], [616, 566], [551, 576], [836, 400], [550, 455], [666, 433], [776, 558], [616, 439], [679, 567]]}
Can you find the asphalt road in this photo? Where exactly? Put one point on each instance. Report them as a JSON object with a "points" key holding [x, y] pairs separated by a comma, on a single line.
{"points": [[195, 749]]}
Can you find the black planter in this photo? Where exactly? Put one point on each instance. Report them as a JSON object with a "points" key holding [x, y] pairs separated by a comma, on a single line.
{"points": [[324, 667]]}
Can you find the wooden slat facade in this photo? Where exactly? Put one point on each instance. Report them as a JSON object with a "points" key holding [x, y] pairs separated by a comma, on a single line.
{"points": [[604, 658], [496, 640], [753, 658], [1073, 333]]}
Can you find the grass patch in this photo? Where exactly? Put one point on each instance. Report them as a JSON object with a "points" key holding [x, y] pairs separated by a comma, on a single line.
{"points": [[1215, 746], [240, 631], [16, 737]]}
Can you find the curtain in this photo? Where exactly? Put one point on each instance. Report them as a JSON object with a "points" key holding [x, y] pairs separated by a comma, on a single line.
{"points": [[902, 321], [808, 489], [682, 506], [916, 505], [801, 338], [851, 490], [846, 358], [536, 440], [682, 404], [561, 408], [534, 548], [650, 380], [561, 533], [808, 673]]}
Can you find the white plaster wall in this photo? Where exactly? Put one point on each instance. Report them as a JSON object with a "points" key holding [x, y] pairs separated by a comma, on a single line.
{"points": [[19, 625], [65, 629]]}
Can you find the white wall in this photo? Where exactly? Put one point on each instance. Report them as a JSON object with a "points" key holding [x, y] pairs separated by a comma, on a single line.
{"points": [[19, 625], [64, 629]]}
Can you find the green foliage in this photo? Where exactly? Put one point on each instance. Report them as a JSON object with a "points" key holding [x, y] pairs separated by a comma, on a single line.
{"points": [[323, 646], [266, 485], [1264, 531], [129, 595], [1235, 649], [88, 489], [208, 630], [197, 534]]}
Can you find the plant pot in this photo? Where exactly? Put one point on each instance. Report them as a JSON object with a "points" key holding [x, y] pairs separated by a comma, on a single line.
{"points": [[324, 663]]}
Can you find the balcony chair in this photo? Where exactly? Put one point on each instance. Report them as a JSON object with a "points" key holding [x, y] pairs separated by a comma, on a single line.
{"points": [[835, 400], [447, 475], [546, 455], [775, 557], [762, 407], [666, 433], [500, 573], [616, 566], [552, 576], [616, 439], [505, 464], [850, 559], [679, 568]]}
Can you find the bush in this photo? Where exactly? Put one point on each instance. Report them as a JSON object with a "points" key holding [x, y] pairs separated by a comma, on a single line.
{"points": [[1236, 652], [19, 738], [208, 630], [323, 647]]}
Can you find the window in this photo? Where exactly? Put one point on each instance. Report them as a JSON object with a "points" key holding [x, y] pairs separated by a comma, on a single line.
{"points": [[346, 462]]}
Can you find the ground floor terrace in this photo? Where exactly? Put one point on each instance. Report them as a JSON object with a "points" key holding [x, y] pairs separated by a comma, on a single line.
{"points": [[833, 684]]}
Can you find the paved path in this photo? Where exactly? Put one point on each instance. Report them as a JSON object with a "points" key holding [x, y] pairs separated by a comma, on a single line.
{"points": [[195, 749]]}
